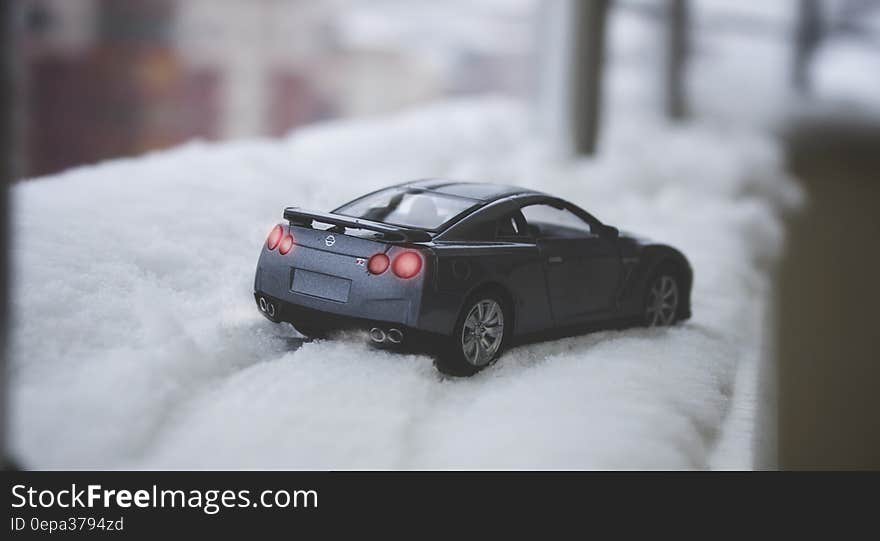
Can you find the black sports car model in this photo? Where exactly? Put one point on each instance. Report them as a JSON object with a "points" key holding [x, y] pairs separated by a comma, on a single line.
{"points": [[476, 265]]}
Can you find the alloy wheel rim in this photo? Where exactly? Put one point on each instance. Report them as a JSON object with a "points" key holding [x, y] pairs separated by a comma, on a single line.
{"points": [[482, 332], [662, 302]]}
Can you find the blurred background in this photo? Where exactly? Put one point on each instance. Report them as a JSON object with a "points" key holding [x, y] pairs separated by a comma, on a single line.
{"points": [[104, 78], [89, 80], [97, 79]]}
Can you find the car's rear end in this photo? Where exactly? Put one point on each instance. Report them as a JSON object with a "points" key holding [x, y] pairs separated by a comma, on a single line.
{"points": [[325, 271]]}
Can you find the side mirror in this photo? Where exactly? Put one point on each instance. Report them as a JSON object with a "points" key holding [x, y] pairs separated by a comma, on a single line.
{"points": [[609, 231]]}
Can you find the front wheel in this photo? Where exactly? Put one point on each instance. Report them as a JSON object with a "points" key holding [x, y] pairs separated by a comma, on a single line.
{"points": [[479, 337], [662, 300]]}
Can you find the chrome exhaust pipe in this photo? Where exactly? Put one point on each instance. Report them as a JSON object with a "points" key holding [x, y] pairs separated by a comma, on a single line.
{"points": [[263, 304], [377, 335], [395, 336], [270, 309]]}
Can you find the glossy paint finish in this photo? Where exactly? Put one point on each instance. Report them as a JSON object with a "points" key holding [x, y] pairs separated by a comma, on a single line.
{"points": [[336, 279], [547, 282]]}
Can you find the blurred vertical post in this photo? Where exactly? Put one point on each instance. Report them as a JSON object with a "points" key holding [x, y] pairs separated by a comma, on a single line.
{"points": [[808, 34], [570, 84], [589, 46], [7, 80], [677, 22]]}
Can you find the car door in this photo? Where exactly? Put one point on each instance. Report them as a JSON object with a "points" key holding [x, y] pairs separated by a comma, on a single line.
{"points": [[582, 267]]}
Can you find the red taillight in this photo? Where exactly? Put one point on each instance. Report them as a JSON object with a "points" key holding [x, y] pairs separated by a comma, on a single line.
{"points": [[378, 264], [407, 265], [286, 244], [274, 237]]}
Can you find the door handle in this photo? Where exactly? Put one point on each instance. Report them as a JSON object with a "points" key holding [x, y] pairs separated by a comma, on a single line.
{"points": [[554, 259]]}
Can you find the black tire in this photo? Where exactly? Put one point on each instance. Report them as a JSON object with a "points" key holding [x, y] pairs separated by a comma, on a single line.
{"points": [[662, 304], [489, 308]]}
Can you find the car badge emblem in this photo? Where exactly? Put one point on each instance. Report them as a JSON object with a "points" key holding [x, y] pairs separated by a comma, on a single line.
{"points": [[330, 240], [360, 261]]}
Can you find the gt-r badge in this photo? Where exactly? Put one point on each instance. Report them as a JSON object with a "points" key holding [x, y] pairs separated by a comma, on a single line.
{"points": [[360, 261], [330, 240]]}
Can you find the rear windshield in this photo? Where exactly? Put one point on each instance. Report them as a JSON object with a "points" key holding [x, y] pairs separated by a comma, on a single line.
{"points": [[407, 207]]}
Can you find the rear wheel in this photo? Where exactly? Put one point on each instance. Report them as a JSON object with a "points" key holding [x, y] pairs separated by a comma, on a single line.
{"points": [[479, 338], [662, 299]]}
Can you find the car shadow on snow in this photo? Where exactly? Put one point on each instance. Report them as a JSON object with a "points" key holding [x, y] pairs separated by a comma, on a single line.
{"points": [[431, 345]]}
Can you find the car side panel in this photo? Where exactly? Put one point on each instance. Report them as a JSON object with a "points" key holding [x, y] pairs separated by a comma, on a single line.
{"points": [[463, 268], [583, 276]]}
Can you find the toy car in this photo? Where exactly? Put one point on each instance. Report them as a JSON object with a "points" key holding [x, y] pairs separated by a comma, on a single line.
{"points": [[473, 265]]}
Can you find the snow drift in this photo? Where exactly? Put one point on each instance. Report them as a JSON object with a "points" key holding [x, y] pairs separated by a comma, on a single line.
{"points": [[136, 343]]}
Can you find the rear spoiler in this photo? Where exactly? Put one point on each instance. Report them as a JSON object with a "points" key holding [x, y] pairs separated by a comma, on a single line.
{"points": [[298, 216]]}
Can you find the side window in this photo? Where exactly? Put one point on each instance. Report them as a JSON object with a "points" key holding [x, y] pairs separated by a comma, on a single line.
{"points": [[547, 221]]}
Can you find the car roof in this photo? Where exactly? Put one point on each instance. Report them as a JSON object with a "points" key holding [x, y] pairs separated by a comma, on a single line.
{"points": [[482, 191]]}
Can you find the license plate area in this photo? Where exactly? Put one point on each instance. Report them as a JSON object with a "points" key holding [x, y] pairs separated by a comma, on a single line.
{"points": [[317, 284]]}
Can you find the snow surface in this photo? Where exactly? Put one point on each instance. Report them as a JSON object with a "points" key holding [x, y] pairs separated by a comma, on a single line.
{"points": [[136, 343]]}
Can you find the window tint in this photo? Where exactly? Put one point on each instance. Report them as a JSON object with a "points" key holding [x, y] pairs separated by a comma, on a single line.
{"points": [[545, 221], [407, 207]]}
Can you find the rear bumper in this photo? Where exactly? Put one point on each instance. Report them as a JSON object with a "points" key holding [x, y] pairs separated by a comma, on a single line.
{"points": [[279, 310], [313, 281]]}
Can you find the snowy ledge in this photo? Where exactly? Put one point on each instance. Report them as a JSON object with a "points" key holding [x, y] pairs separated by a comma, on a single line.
{"points": [[136, 343]]}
